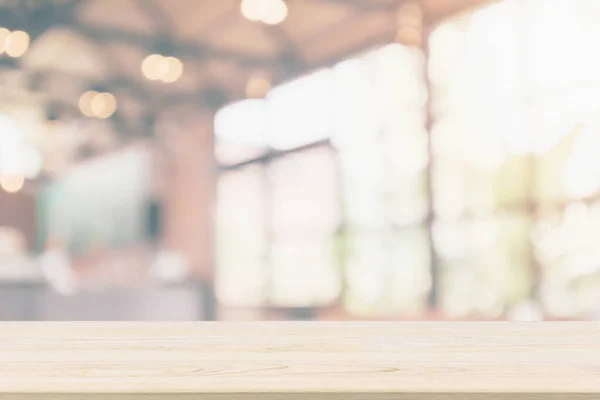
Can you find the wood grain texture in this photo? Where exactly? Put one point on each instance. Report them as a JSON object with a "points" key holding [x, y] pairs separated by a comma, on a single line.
{"points": [[299, 360]]}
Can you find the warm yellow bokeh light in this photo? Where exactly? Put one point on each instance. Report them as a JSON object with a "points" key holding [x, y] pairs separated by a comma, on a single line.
{"points": [[94, 104], [11, 183], [3, 37], [257, 87], [270, 12], [162, 68], [276, 13], [158, 67], [151, 66], [409, 20], [16, 44], [409, 36], [251, 9], [85, 103], [103, 105], [174, 69]]}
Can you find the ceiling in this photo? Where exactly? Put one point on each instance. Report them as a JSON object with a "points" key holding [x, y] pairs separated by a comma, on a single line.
{"points": [[79, 45]]}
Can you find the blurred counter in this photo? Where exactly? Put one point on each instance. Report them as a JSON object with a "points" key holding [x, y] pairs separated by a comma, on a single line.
{"points": [[36, 301]]}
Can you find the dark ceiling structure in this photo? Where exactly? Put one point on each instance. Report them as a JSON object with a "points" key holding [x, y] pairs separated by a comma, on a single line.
{"points": [[80, 45]]}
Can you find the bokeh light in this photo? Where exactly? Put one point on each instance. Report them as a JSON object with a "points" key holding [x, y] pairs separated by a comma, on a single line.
{"points": [[252, 9], [3, 36], [150, 66], [85, 103], [276, 13], [158, 67], [409, 21], [94, 104], [16, 44], [31, 162], [270, 12], [103, 105], [17, 156], [409, 36], [257, 87], [11, 183], [174, 69]]}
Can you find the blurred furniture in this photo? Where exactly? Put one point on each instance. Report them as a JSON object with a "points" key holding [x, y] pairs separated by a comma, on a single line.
{"points": [[300, 360]]}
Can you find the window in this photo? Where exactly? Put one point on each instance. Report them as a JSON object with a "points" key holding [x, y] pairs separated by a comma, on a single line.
{"points": [[343, 154], [511, 157], [242, 269], [91, 205], [514, 86]]}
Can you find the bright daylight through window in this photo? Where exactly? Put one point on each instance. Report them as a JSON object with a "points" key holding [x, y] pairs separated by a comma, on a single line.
{"points": [[333, 171]]}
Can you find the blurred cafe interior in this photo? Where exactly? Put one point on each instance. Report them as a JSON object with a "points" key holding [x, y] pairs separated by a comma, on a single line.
{"points": [[299, 159]]}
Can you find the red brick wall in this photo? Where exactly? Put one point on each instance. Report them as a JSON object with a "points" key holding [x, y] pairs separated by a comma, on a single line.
{"points": [[187, 188]]}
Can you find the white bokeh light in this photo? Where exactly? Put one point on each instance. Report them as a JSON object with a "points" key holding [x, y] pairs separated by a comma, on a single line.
{"points": [[17, 157], [270, 12]]}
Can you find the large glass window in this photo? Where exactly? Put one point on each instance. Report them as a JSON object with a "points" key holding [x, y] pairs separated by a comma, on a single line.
{"points": [[515, 89], [242, 237], [340, 176], [360, 204]]}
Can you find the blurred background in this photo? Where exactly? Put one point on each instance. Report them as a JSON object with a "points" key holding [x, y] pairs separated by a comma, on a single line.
{"points": [[299, 159]]}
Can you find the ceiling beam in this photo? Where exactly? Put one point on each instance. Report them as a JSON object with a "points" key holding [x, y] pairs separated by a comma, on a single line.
{"points": [[284, 67], [46, 15], [436, 11], [187, 49], [38, 17], [366, 5], [153, 11]]}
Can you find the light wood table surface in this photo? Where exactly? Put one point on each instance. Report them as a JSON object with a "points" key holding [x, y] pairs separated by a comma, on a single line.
{"points": [[299, 360]]}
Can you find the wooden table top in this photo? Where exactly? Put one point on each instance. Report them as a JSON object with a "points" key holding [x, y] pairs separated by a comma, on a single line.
{"points": [[268, 360]]}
